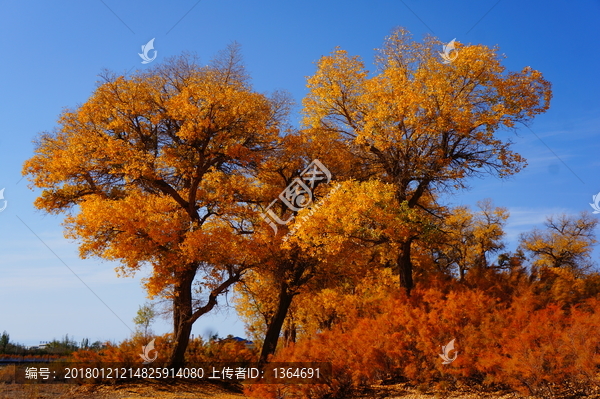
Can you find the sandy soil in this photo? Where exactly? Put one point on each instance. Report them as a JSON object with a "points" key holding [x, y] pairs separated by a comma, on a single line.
{"points": [[160, 390], [196, 391], [122, 391]]}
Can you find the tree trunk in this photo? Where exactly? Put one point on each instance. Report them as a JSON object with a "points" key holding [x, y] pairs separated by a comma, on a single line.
{"points": [[182, 319], [405, 266], [276, 323], [182, 339], [184, 316]]}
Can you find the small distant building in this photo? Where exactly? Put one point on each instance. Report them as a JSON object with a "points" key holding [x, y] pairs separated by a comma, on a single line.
{"points": [[42, 345]]}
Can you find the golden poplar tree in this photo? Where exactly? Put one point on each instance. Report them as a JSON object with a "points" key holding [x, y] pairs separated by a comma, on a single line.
{"points": [[566, 242], [470, 238], [420, 124], [158, 169]]}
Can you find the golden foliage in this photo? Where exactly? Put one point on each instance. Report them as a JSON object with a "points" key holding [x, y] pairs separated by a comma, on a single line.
{"points": [[154, 168], [419, 120], [567, 241]]}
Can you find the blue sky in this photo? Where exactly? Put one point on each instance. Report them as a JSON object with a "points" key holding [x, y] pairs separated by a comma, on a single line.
{"points": [[52, 53]]}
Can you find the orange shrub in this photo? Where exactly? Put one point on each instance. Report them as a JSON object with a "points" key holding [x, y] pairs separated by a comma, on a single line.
{"points": [[226, 350], [551, 347], [198, 351], [127, 352], [527, 343]]}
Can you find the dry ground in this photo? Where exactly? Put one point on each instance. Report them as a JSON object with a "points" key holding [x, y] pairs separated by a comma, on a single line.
{"points": [[183, 390], [196, 391], [131, 390]]}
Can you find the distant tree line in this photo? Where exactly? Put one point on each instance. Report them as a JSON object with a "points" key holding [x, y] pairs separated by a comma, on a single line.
{"points": [[64, 346]]}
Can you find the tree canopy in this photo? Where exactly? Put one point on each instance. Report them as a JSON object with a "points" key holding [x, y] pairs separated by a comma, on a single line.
{"points": [[157, 169], [419, 124]]}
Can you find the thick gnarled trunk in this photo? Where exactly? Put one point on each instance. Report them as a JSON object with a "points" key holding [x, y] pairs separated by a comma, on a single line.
{"points": [[184, 314], [182, 339], [182, 319]]}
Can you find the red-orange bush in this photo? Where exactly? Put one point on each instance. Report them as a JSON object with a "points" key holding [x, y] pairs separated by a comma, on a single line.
{"points": [[525, 343], [226, 350], [127, 352], [198, 351]]}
